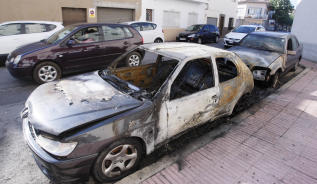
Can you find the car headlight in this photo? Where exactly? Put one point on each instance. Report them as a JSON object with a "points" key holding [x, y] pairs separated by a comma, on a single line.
{"points": [[192, 35], [259, 74], [55, 147], [17, 59]]}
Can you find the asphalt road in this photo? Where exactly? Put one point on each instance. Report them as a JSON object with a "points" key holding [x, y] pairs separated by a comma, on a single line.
{"points": [[16, 162]]}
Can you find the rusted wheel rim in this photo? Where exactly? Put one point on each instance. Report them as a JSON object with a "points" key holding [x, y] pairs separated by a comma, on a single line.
{"points": [[47, 73], [275, 80], [134, 60], [118, 160]]}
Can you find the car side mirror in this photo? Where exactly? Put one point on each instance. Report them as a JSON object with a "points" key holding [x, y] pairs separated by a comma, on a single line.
{"points": [[291, 52], [69, 43]]}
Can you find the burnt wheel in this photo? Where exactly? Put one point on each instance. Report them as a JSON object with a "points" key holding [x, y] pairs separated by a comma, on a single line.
{"points": [[120, 159], [46, 72], [133, 59], [275, 81]]}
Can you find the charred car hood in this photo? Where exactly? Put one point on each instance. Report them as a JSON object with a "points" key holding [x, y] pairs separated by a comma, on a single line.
{"points": [[254, 57], [59, 106]]}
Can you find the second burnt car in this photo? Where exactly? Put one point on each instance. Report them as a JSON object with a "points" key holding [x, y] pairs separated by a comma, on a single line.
{"points": [[106, 121], [269, 55]]}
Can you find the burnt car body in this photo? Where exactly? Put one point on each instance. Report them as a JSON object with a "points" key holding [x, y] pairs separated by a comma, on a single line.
{"points": [[119, 112], [269, 55], [200, 33], [74, 49]]}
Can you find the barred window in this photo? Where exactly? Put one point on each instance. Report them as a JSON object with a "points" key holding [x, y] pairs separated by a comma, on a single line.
{"points": [[149, 14]]}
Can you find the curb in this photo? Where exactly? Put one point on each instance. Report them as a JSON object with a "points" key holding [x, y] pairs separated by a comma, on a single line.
{"points": [[146, 172]]}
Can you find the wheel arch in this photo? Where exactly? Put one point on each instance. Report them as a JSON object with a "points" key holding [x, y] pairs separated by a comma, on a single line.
{"points": [[47, 60]]}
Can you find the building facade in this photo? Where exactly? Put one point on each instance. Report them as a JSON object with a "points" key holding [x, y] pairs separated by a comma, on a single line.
{"points": [[252, 12], [304, 29], [173, 15]]}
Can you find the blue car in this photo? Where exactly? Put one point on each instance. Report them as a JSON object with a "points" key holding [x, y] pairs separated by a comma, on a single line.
{"points": [[200, 33]]}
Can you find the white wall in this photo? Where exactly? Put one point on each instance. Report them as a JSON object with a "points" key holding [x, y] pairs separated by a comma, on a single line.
{"points": [[184, 7], [244, 8], [305, 27], [226, 7]]}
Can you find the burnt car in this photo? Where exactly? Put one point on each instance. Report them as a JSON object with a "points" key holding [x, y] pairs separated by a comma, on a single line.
{"points": [[269, 55], [105, 122], [200, 33], [74, 49]]}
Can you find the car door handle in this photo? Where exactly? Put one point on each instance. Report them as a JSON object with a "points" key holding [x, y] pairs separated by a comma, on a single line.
{"points": [[215, 99]]}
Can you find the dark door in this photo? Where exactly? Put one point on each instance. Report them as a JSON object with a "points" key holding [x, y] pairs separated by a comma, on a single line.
{"points": [[221, 24], [205, 33], [213, 32], [74, 15], [85, 52], [116, 42]]}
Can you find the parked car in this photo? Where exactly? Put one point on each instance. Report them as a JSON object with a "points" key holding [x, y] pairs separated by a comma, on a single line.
{"points": [[200, 33], [150, 32], [76, 48], [269, 55], [105, 122], [18, 33], [237, 34]]}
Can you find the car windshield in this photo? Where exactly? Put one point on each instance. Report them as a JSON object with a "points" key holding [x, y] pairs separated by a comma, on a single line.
{"points": [[264, 43], [194, 28], [244, 29], [60, 35]]}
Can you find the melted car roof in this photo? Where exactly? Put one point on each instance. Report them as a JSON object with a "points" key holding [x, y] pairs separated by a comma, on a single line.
{"points": [[182, 50]]}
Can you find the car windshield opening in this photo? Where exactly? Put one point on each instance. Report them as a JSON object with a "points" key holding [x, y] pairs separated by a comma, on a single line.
{"points": [[194, 28], [244, 29], [267, 43], [143, 81], [60, 35]]}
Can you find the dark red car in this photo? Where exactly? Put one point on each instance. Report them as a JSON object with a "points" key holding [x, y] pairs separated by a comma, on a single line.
{"points": [[76, 48]]}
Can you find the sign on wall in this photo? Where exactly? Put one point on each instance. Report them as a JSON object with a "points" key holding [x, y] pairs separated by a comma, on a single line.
{"points": [[92, 12]]}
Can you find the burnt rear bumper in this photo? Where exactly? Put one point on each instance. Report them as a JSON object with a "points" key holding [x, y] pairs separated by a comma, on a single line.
{"points": [[58, 170]]}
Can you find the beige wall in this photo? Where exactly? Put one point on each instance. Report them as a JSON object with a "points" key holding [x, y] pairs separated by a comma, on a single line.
{"points": [[171, 33], [51, 10]]}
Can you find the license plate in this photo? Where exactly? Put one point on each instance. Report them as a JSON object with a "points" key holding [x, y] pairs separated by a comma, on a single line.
{"points": [[182, 39]]}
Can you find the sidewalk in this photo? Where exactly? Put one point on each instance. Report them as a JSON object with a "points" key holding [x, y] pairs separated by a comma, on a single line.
{"points": [[275, 143]]}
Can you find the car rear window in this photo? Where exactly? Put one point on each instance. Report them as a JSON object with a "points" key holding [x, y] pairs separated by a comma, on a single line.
{"points": [[34, 28], [113, 33]]}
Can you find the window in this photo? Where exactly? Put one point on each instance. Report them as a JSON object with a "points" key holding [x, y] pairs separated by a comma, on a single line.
{"points": [[50, 27], [34, 28], [212, 28], [206, 29], [87, 35], [136, 26], [226, 69], [197, 75], [10, 29], [149, 15], [295, 43], [171, 19], [290, 44], [147, 27], [112, 33], [192, 18], [127, 32]]}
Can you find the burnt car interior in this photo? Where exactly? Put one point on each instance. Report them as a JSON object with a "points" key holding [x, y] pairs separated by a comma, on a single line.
{"points": [[149, 77], [197, 75], [226, 69]]}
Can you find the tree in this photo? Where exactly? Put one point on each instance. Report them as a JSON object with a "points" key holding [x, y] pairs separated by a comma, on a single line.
{"points": [[283, 10]]}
